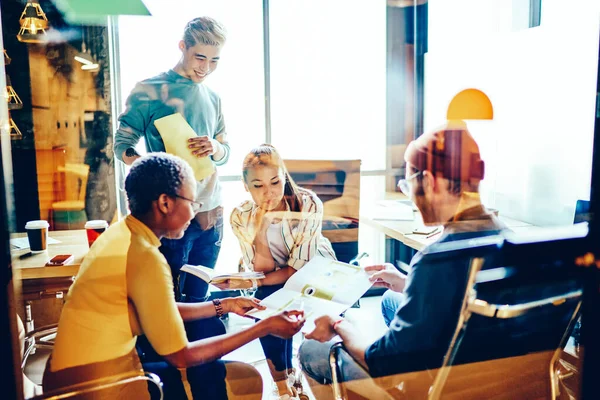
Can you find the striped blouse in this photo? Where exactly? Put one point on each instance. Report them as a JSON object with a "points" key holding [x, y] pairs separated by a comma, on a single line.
{"points": [[301, 231]]}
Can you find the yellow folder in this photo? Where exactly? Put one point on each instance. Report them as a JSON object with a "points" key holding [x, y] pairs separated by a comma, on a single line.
{"points": [[175, 132]]}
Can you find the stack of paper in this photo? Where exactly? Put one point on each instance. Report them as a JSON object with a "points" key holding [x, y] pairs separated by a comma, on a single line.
{"points": [[393, 211]]}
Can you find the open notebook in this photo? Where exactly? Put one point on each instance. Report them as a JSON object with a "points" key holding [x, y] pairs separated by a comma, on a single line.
{"points": [[322, 286], [211, 276]]}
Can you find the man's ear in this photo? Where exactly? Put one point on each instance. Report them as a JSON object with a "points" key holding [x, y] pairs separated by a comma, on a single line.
{"points": [[429, 183], [182, 45], [164, 204]]}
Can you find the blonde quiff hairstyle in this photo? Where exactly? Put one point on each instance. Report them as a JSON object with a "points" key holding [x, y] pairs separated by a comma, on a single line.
{"points": [[204, 30]]}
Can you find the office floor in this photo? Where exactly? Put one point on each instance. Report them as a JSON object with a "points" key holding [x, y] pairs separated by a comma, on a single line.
{"points": [[367, 318]]}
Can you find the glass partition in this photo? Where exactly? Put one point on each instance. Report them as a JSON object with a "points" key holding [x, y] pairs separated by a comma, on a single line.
{"points": [[340, 88]]}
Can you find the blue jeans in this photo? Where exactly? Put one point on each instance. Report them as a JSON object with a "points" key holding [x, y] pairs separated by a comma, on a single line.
{"points": [[314, 361], [278, 350], [390, 302], [196, 247], [207, 381]]}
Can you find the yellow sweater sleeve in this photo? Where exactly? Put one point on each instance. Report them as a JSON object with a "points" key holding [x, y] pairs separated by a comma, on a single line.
{"points": [[150, 289]]}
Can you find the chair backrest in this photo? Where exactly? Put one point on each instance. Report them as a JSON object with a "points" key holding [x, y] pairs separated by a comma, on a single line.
{"points": [[76, 177], [516, 317], [337, 183]]}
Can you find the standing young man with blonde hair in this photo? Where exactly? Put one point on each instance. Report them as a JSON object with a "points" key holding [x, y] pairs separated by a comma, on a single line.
{"points": [[182, 90]]}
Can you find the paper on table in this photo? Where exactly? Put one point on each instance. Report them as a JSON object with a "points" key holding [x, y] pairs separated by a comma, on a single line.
{"points": [[175, 132], [23, 243], [397, 212]]}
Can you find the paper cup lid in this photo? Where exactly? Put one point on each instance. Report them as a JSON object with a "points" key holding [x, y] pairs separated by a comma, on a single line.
{"points": [[39, 224], [96, 224]]}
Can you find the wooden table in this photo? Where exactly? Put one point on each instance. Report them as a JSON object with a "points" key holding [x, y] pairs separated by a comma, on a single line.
{"points": [[402, 231], [33, 267], [35, 281]]}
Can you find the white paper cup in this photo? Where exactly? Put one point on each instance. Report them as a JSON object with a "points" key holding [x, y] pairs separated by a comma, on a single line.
{"points": [[94, 229], [37, 233]]}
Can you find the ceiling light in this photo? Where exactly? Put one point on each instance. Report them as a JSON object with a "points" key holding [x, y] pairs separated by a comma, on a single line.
{"points": [[7, 59], [90, 67], [11, 127], [470, 104], [33, 24], [12, 98]]}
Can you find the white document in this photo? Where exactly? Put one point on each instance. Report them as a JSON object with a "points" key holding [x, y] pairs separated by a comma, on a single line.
{"points": [[23, 243], [393, 212], [175, 132], [322, 286]]}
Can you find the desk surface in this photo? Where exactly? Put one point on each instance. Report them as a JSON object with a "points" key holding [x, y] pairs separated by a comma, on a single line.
{"points": [[33, 267], [403, 230]]}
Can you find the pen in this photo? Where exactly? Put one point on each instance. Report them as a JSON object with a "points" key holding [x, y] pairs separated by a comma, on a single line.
{"points": [[433, 234], [26, 255]]}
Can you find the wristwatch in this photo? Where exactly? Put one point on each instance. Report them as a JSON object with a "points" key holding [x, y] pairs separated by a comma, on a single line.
{"points": [[218, 308], [130, 152]]}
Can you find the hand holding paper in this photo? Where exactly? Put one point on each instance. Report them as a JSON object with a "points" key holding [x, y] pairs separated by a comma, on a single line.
{"points": [[202, 146], [322, 286], [175, 132]]}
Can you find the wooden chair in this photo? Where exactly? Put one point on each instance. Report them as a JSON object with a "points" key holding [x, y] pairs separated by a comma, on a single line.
{"points": [[70, 213], [337, 183], [519, 307]]}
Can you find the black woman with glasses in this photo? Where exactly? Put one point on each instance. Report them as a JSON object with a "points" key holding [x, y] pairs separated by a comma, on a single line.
{"points": [[124, 289]]}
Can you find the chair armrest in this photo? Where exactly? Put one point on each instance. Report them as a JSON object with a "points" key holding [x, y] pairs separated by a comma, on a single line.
{"points": [[486, 309], [101, 384], [32, 337], [362, 386], [335, 370], [42, 331]]}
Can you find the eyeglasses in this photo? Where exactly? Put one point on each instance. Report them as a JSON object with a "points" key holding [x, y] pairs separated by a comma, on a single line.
{"points": [[404, 184], [196, 205]]}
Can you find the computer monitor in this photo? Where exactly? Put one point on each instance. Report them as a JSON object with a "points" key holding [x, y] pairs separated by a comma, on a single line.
{"points": [[582, 211]]}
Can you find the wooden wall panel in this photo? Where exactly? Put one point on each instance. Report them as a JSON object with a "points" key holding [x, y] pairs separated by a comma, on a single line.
{"points": [[59, 102]]}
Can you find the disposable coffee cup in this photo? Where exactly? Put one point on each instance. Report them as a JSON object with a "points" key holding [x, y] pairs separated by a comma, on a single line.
{"points": [[94, 229], [37, 233]]}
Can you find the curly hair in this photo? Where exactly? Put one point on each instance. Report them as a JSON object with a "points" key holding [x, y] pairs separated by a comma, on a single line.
{"points": [[153, 175]]}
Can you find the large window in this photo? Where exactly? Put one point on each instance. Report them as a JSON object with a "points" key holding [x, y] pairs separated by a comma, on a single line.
{"points": [[148, 45], [328, 80], [541, 83]]}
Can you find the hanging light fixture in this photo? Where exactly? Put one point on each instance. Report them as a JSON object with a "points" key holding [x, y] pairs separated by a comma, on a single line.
{"points": [[33, 24], [84, 56], [470, 104], [12, 98], [91, 67], [7, 59], [12, 128]]}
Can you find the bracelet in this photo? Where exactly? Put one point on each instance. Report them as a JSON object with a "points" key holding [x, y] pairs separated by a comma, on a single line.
{"points": [[218, 307], [336, 323]]}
